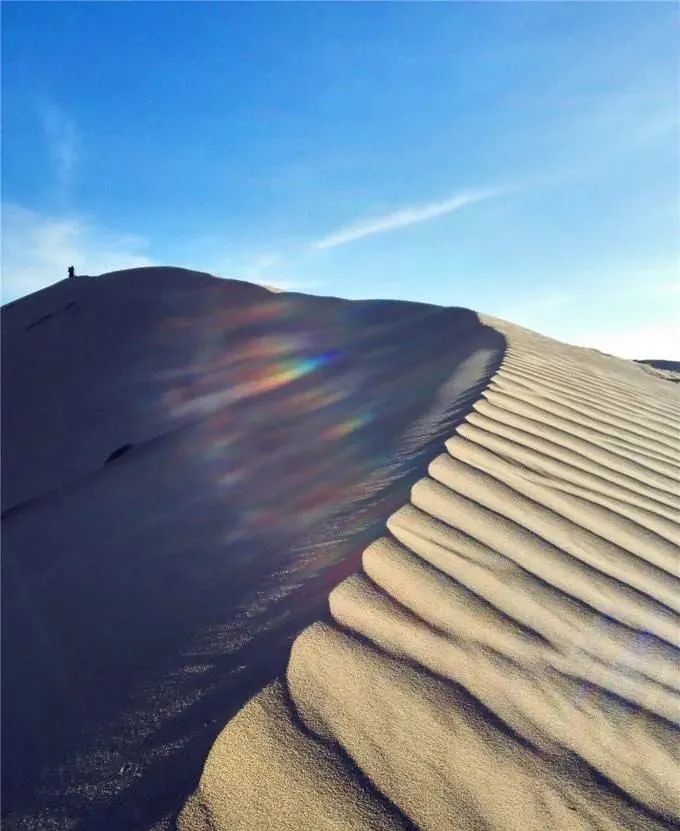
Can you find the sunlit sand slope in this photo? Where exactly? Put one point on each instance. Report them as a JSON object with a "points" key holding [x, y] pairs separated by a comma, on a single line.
{"points": [[508, 656]]}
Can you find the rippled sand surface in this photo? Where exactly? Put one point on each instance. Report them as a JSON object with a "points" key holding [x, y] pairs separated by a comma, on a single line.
{"points": [[506, 657]]}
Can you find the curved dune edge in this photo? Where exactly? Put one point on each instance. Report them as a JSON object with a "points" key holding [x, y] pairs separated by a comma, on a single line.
{"points": [[508, 656]]}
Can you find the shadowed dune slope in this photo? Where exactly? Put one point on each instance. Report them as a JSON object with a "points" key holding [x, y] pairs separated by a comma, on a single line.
{"points": [[507, 657], [190, 466]]}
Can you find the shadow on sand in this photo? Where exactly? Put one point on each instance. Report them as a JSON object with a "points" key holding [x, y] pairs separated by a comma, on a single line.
{"points": [[145, 601]]}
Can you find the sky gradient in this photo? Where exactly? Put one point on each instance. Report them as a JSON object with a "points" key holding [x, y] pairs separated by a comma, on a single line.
{"points": [[518, 159]]}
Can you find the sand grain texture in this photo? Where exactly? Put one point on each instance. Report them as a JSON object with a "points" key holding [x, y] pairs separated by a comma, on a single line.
{"points": [[507, 656]]}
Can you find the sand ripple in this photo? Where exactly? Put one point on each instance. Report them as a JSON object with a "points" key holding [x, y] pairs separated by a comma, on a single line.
{"points": [[508, 656]]}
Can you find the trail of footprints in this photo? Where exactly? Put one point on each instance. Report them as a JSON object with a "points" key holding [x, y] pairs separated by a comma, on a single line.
{"points": [[508, 656]]}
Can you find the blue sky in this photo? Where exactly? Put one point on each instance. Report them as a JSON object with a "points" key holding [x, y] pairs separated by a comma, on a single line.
{"points": [[520, 159]]}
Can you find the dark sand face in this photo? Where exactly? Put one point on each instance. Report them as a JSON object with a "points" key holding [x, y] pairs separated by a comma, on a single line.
{"points": [[190, 467]]}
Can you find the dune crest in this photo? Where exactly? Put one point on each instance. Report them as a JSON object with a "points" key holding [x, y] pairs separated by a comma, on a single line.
{"points": [[507, 657], [190, 466]]}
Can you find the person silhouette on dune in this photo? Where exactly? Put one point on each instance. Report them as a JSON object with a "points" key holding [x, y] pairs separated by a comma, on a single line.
{"points": [[71, 271]]}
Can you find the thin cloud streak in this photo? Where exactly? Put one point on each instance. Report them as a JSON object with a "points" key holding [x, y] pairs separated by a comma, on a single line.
{"points": [[401, 219]]}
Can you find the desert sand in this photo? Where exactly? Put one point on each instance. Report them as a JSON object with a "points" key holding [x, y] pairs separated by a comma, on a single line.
{"points": [[507, 657], [281, 562]]}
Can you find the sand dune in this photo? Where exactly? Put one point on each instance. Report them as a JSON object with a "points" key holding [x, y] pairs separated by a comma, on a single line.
{"points": [[273, 561], [507, 656], [190, 465]]}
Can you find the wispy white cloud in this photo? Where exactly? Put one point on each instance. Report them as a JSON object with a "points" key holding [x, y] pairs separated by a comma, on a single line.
{"points": [[276, 268], [38, 249], [62, 142], [401, 218]]}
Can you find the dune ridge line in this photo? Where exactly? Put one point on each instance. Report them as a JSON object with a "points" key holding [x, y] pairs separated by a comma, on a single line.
{"points": [[507, 657]]}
